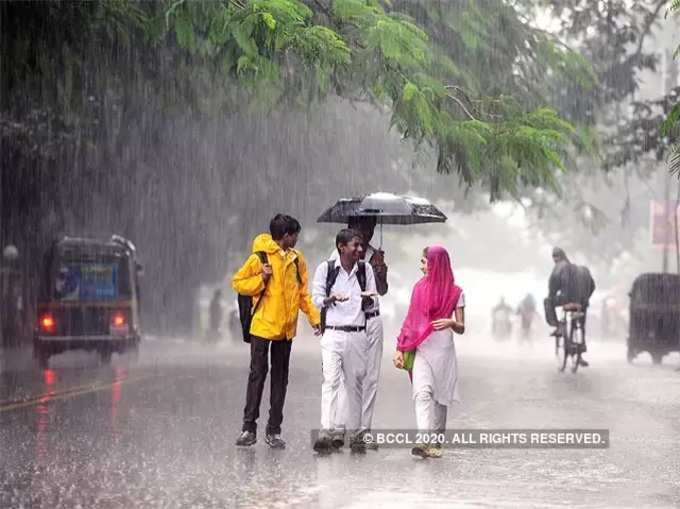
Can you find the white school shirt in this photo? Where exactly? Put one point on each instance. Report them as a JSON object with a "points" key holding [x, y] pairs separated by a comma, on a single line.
{"points": [[347, 313], [370, 251]]}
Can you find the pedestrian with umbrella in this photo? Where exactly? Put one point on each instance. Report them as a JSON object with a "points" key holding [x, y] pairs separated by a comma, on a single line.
{"points": [[363, 215], [365, 226], [344, 293]]}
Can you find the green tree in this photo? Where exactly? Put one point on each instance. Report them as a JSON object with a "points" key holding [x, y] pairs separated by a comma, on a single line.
{"points": [[462, 77], [671, 105], [465, 78]]}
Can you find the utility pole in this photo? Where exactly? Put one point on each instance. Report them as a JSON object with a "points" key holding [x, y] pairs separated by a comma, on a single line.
{"points": [[667, 211], [677, 234]]}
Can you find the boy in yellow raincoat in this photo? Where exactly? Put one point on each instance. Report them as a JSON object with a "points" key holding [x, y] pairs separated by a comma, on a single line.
{"points": [[282, 284]]}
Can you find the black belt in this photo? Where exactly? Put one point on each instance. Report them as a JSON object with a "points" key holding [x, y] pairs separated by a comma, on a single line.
{"points": [[346, 328], [372, 314]]}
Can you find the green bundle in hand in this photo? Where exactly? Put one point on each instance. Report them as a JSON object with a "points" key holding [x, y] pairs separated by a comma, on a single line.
{"points": [[409, 358]]}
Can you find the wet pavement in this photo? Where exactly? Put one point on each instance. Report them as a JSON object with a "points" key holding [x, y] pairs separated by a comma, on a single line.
{"points": [[159, 431]]}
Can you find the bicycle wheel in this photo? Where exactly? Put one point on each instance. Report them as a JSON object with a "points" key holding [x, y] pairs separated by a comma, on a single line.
{"points": [[575, 340], [561, 350]]}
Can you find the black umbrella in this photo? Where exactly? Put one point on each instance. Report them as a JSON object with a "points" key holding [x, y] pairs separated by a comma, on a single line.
{"points": [[387, 208]]}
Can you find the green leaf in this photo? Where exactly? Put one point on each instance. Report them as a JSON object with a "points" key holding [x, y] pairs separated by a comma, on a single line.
{"points": [[243, 35], [244, 63], [671, 120], [409, 91], [269, 20], [184, 29]]}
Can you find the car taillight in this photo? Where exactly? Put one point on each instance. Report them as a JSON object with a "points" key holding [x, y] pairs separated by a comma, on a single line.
{"points": [[118, 319], [47, 323]]}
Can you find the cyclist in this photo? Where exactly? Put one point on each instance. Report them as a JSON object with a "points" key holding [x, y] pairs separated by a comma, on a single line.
{"points": [[569, 284]]}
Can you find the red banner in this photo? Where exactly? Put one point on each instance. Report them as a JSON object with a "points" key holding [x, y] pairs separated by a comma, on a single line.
{"points": [[663, 222]]}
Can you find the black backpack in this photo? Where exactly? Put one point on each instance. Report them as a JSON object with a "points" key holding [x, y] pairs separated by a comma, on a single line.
{"points": [[246, 311], [331, 275]]}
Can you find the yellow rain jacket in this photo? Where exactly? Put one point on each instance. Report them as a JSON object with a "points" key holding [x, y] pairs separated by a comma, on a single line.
{"points": [[276, 317]]}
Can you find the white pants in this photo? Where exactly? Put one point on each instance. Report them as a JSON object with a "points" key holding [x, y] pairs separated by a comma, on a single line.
{"points": [[343, 361], [373, 358], [430, 415]]}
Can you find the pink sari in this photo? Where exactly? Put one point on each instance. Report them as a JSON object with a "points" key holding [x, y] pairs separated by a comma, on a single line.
{"points": [[434, 297]]}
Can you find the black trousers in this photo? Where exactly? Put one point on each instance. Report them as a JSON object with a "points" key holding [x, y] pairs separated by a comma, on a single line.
{"points": [[259, 363]]}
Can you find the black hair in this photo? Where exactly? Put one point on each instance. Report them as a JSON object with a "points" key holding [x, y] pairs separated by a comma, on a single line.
{"points": [[345, 236], [282, 224], [559, 253]]}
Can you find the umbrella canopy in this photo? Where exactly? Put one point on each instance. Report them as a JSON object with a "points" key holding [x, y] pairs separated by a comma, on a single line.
{"points": [[387, 208]]}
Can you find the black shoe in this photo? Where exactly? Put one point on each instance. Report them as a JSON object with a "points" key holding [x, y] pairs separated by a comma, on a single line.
{"points": [[419, 451], [246, 438], [357, 445], [338, 442], [583, 362], [556, 333], [323, 445], [274, 441]]}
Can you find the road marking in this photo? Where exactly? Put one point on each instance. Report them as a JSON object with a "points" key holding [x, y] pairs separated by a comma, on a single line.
{"points": [[7, 406]]}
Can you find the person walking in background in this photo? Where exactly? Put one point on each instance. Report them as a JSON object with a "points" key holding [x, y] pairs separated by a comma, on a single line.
{"points": [[344, 291], [281, 283], [527, 311], [216, 314], [436, 311]]}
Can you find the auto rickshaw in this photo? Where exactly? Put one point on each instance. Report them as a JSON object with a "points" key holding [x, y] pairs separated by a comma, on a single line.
{"points": [[654, 316], [88, 298]]}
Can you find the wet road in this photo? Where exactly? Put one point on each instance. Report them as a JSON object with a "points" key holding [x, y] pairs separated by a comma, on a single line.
{"points": [[160, 433]]}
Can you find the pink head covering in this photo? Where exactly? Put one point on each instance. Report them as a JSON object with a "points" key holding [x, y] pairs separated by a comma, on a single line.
{"points": [[434, 297]]}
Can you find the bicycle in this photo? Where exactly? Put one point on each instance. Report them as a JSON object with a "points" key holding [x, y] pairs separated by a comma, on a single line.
{"points": [[570, 338]]}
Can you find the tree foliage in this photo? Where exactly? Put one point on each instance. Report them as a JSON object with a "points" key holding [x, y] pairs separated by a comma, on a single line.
{"points": [[672, 121], [471, 79]]}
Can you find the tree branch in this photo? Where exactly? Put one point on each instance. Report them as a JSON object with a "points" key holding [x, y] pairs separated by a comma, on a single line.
{"points": [[462, 106], [324, 8], [648, 26]]}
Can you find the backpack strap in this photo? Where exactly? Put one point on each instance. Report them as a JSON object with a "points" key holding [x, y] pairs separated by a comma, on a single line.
{"points": [[331, 276], [361, 275], [263, 259]]}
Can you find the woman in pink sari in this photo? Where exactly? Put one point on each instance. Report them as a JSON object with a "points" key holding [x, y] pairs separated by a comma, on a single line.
{"points": [[437, 310]]}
